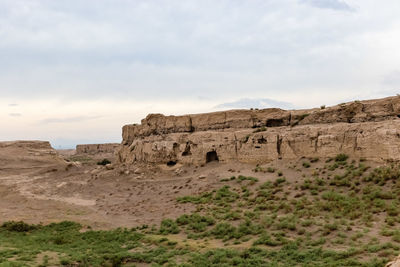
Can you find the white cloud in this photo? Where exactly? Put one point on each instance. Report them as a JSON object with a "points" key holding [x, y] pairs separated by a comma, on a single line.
{"points": [[329, 4], [153, 54], [64, 120]]}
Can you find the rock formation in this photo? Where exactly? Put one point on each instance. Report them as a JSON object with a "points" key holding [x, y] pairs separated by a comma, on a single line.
{"points": [[368, 129], [97, 148], [395, 263], [25, 155]]}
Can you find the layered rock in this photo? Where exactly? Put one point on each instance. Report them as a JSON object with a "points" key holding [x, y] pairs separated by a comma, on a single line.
{"points": [[369, 129], [97, 148]]}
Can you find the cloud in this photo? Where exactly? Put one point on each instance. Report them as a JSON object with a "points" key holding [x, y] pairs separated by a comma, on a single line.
{"points": [[329, 4], [13, 105], [15, 114], [71, 53], [256, 103], [169, 49], [68, 119]]}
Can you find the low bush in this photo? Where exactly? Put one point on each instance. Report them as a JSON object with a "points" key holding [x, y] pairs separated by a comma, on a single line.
{"points": [[341, 157], [306, 165], [169, 226], [19, 226], [262, 129]]}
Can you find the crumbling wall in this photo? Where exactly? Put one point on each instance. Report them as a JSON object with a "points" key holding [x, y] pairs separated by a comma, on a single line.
{"points": [[369, 129], [93, 149]]}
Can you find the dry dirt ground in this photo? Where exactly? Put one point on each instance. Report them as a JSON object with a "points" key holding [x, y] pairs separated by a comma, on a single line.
{"points": [[101, 198], [36, 192]]}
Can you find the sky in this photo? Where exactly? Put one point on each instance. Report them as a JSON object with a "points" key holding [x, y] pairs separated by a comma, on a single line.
{"points": [[76, 71]]}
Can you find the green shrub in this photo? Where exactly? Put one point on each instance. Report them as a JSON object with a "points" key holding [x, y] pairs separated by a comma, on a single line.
{"points": [[306, 165], [330, 227], [341, 157], [19, 226], [223, 231], [225, 195], [247, 178], [195, 222], [383, 174], [279, 181], [168, 226], [270, 170], [288, 223], [262, 129], [266, 239]]}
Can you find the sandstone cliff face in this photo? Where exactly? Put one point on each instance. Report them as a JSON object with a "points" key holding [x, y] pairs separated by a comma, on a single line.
{"points": [[369, 129], [97, 148]]}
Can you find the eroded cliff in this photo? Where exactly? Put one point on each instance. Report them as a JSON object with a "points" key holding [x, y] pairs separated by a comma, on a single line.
{"points": [[368, 129], [94, 149], [17, 156]]}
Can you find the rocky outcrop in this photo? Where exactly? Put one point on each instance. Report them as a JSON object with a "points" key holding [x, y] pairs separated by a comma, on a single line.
{"points": [[369, 129], [156, 124], [19, 155], [32, 147], [395, 263], [97, 148], [357, 111]]}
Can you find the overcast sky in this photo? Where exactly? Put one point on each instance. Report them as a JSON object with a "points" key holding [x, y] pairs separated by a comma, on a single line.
{"points": [[75, 71]]}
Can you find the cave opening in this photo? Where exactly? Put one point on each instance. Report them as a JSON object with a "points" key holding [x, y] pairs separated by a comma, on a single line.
{"points": [[212, 156], [275, 123], [171, 163]]}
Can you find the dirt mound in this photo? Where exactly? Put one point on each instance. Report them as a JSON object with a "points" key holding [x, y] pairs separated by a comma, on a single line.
{"points": [[20, 156]]}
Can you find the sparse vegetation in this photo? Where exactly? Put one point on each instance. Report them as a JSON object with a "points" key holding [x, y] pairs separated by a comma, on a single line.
{"points": [[341, 158], [261, 129], [323, 219], [306, 165]]}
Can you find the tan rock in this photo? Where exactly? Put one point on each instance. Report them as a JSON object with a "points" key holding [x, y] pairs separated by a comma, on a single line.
{"points": [[93, 149], [395, 263], [368, 129], [26, 155], [109, 166]]}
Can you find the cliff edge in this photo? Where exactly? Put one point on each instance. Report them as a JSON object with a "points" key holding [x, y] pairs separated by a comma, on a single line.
{"points": [[367, 129]]}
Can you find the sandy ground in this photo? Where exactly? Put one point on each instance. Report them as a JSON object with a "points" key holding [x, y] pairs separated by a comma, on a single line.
{"points": [[45, 190], [101, 198]]}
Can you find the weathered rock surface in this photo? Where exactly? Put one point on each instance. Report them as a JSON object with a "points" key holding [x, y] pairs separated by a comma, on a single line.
{"points": [[369, 129], [395, 263], [19, 155], [97, 148]]}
